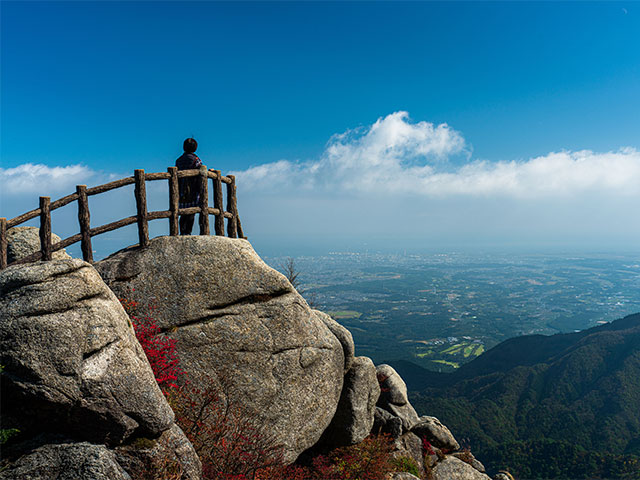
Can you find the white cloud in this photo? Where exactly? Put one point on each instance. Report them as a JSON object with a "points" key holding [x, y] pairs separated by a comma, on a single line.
{"points": [[43, 180], [396, 156], [556, 174]]}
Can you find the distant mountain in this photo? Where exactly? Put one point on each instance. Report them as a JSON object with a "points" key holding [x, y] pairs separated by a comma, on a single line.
{"points": [[580, 390]]}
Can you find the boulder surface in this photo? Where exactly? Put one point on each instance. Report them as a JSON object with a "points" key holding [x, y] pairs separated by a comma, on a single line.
{"points": [[354, 417], [237, 322], [23, 241], [67, 461], [436, 433], [71, 361], [393, 396], [452, 468]]}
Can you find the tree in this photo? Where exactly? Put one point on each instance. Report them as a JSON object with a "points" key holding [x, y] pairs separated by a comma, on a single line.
{"points": [[290, 270]]}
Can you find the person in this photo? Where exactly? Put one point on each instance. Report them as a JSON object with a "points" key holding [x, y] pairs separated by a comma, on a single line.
{"points": [[189, 187]]}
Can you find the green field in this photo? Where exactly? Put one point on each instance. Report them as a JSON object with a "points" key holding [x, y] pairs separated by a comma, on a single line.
{"points": [[449, 355], [446, 362], [345, 314]]}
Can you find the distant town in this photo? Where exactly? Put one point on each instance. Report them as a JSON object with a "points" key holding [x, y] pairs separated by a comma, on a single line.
{"points": [[440, 311]]}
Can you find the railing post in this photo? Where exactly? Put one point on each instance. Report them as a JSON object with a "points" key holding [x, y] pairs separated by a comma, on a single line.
{"points": [[232, 208], [204, 201], [3, 243], [141, 205], [240, 231], [218, 203], [45, 227], [174, 199], [84, 219]]}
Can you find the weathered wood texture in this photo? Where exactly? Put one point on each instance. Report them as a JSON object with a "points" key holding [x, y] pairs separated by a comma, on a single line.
{"points": [[174, 201], [3, 243], [142, 217], [110, 186], [84, 219], [25, 217], [189, 210], [217, 203], [113, 225], [45, 227], [156, 176], [158, 214], [66, 242], [240, 231], [63, 201], [189, 173], [141, 206], [232, 224], [204, 201]]}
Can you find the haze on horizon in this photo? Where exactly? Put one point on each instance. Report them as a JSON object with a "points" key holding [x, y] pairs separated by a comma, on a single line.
{"points": [[349, 126]]}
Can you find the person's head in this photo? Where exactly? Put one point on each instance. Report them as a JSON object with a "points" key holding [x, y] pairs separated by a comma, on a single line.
{"points": [[190, 145]]}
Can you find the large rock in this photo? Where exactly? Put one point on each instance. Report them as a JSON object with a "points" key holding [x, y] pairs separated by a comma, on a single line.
{"points": [[238, 320], [67, 461], [343, 335], [353, 420], [71, 361], [467, 457], [402, 476], [23, 241], [386, 422], [452, 468], [169, 456], [409, 446], [436, 433], [393, 396]]}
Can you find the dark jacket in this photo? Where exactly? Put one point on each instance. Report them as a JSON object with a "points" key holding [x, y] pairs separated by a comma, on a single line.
{"points": [[189, 186]]}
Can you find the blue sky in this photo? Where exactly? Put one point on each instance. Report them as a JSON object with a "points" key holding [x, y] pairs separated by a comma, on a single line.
{"points": [[522, 123]]}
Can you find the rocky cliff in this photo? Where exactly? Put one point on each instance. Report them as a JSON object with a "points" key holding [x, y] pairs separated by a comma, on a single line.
{"points": [[77, 381]]}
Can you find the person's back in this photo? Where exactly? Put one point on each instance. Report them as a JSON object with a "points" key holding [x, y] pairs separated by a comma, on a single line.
{"points": [[189, 187]]}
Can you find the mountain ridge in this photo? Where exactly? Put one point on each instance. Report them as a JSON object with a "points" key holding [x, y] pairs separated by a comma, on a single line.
{"points": [[578, 389]]}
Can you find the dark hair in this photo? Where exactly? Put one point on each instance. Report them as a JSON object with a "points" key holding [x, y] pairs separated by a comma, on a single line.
{"points": [[190, 145]]}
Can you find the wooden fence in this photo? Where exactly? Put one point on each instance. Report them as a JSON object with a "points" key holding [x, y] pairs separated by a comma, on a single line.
{"points": [[234, 227]]}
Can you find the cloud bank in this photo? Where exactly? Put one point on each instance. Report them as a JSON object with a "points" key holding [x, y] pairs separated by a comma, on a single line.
{"points": [[391, 184], [396, 156], [38, 179]]}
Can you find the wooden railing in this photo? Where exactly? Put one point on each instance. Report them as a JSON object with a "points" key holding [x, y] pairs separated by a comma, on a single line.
{"points": [[142, 217]]}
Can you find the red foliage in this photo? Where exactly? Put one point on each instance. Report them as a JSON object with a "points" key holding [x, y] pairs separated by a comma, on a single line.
{"points": [[426, 447], [160, 350], [231, 444], [368, 460], [381, 379]]}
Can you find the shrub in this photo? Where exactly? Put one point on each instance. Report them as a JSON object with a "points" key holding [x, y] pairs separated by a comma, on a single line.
{"points": [[231, 444], [406, 464], [367, 460], [160, 350]]}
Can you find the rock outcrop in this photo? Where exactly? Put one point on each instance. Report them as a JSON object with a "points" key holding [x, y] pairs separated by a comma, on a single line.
{"points": [[394, 398], [78, 386], [244, 325], [425, 440], [171, 452], [452, 468], [71, 358], [354, 416], [23, 241], [436, 433], [72, 367], [67, 460]]}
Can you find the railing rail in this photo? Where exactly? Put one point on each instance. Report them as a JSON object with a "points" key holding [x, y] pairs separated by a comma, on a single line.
{"points": [[142, 217]]}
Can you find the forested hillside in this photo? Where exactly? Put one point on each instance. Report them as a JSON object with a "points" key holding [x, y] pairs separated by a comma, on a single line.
{"points": [[562, 401]]}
